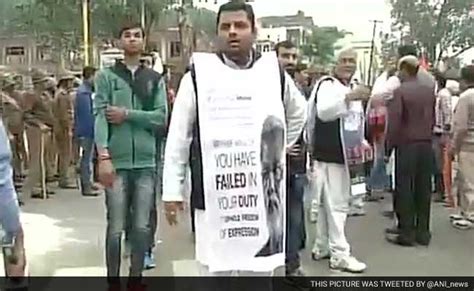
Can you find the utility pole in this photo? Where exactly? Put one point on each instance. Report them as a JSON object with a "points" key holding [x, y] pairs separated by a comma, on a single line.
{"points": [[142, 14], [183, 33], [372, 48], [86, 31]]}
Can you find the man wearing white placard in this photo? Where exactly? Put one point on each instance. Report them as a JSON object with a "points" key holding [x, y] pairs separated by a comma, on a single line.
{"points": [[336, 113], [218, 125]]}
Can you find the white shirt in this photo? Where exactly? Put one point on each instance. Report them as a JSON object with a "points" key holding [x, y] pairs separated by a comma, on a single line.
{"points": [[181, 132], [384, 87]]}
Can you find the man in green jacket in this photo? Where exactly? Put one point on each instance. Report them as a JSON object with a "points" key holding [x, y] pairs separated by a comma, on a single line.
{"points": [[130, 103]]}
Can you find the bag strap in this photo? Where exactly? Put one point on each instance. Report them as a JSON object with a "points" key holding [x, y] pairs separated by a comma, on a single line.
{"points": [[282, 83]]}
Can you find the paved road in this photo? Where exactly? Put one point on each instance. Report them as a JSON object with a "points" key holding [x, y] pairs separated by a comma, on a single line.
{"points": [[65, 237]]}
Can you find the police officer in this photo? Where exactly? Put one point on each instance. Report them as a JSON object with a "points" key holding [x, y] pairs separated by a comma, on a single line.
{"points": [[39, 121], [13, 119], [63, 111]]}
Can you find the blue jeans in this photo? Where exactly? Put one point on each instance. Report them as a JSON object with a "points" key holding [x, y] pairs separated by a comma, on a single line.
{"points": [[87, 145], [379, 179], [157, 195], [130, 198], [10, 216], [295, 230]]}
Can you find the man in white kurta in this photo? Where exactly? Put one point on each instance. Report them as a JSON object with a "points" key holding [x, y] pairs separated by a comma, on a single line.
{"points": [[335, 133], [236, 31]]}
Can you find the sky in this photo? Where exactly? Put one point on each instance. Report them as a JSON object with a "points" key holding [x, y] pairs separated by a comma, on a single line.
{"points": [[350, 15]]}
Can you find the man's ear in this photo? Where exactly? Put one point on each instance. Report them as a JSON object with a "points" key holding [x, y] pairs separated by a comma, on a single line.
{"points": [[255, 32]]}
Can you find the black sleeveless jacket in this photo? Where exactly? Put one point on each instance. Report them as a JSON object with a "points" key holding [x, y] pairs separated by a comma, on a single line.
{"points": [[327, 143]]}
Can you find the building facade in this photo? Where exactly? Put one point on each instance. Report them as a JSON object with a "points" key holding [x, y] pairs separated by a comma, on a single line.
{"points": [[213, 4], [295, 28]]}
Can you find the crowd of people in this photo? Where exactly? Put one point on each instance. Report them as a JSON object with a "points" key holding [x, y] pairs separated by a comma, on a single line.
{"points": [[247, 159]]}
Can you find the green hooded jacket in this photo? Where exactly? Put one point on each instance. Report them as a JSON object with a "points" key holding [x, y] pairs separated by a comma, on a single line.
{"points": [[132, 144]]}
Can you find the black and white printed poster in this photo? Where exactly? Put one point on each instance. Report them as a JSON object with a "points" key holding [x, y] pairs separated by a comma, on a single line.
{"points": [[243, 138]]}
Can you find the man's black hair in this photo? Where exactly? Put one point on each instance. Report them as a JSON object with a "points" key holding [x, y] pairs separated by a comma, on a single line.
{"points": [[130, 25], [234, 6], [88, 72], [284, 44], [407, 50], [467, 74]]}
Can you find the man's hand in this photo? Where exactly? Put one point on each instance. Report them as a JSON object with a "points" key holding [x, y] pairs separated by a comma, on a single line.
{"points": [[359, 93], [294, 150], [106, 173], [115, 115], [17, 269], [171, 211]]}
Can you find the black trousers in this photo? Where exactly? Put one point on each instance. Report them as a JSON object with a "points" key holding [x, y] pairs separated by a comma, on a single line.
{"points": [[395, 190], [414, 169]]}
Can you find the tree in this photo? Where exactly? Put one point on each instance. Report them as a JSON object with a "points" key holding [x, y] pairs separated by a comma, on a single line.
{"points": [[58, 23], [106, 12], [203, 20], [437, 26], [321, 44], [53, 22]]}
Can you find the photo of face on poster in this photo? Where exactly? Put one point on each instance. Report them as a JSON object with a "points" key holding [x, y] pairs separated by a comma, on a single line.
{"points": [[272, 160]]}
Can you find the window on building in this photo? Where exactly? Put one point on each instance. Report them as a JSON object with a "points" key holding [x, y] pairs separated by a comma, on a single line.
{"points": [[175, 49], [15, 51], [43, 53], [15, 55]]}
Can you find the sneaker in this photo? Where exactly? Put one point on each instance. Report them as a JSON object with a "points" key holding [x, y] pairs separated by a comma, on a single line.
{"points": [[470, 218], [462, 224], [149, 262], [454, 217], [347, 264], [318, 255]]}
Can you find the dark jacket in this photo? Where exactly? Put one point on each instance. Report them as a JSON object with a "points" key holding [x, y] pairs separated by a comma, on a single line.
{"points": [[411, 113], [132, 143], [83, 113], [328, 149]]}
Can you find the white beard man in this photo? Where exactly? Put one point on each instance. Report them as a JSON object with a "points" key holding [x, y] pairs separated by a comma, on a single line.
{"points": [[339, 117]]}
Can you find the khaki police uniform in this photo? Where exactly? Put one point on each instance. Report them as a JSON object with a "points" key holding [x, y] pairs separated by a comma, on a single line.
{"points": [[39, 121], [63, 109]]}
